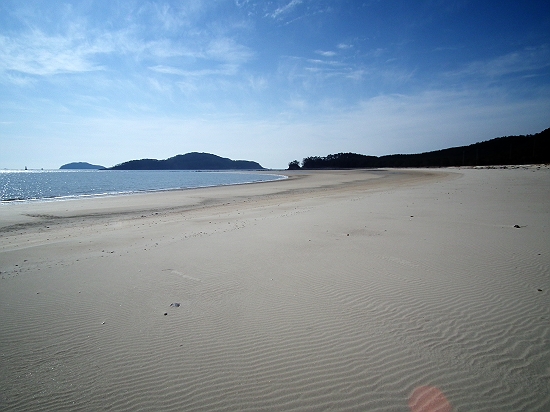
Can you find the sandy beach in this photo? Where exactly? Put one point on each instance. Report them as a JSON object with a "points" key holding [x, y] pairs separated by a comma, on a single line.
{"points": [[383, 290]]}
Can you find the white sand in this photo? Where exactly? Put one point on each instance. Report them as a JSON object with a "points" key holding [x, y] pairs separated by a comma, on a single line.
{"points": [[328, 291]]}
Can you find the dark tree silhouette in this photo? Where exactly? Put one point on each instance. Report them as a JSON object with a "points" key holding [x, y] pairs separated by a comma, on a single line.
{"points": [[294, 165], [188, 161], [508, 150]]}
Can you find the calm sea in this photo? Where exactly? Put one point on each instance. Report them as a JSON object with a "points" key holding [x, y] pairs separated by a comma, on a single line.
{"points": [[63, 184]]}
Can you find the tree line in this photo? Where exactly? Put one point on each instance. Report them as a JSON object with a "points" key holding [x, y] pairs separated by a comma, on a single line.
{"points": [[507, 150]]}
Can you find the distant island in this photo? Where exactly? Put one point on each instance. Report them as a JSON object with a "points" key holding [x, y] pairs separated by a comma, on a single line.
{"points": [[507, 150], [189, 161], [81, 165]]}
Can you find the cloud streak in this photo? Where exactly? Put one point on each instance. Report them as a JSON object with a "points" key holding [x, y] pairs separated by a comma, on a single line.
{"points": [[36, 53], [287, 8], [524, 61]]}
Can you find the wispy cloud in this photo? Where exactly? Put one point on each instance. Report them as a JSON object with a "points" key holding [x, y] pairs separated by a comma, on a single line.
{"points": [[518, 62], [325, 62], [26, 56], [227, 50], [170, 70], [356, 75], [223, 56], [326, 53], [285, 9], [225, 70], [37, 53], [171, 17], [344, 46], [167, 16]]}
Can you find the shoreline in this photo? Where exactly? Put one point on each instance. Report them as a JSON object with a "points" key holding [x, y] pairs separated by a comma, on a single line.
{"points": [[278, 176], [340, 290], [39, 211], [125, 193]]}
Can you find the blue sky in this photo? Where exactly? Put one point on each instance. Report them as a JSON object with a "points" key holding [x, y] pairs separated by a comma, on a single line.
{"points": [[269, 81]]}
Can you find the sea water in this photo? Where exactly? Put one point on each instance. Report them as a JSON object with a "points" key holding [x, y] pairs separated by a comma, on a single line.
{"points": [[62, 184]]}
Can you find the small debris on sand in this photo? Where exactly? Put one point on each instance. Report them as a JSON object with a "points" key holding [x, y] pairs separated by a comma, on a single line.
{"points": [[517, 226]]}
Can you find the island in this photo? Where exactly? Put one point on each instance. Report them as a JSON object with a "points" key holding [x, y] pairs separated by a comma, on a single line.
{"points": [[189, 161], [81, 165]]}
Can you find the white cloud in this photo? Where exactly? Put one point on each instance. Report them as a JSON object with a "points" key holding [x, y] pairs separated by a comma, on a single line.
{"points": [[36, 53], [227, 50], [225, 70], [326, 53], [285, 9], [221, 57], [333, 63]]}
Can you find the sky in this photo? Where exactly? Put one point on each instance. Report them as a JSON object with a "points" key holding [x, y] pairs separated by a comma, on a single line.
{"points": [[109, 81]]}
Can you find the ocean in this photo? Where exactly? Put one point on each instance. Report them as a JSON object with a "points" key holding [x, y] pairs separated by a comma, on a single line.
{"points": [[42, 185]]}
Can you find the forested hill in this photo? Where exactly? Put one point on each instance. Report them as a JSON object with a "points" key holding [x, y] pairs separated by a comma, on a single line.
{"points": [[189, 161], [81, 165], [508, 150]]}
